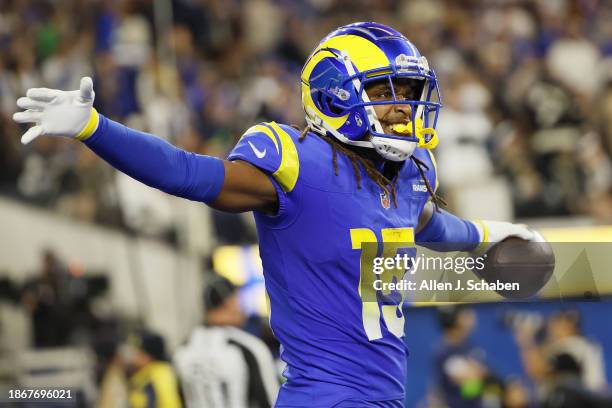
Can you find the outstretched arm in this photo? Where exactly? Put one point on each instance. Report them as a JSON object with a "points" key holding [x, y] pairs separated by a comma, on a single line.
{"points": [[443, 231], [228, 186]]}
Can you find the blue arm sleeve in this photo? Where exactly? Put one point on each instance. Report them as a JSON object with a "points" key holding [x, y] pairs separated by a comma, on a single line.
{"points": [[157, 163], [446, 232]]}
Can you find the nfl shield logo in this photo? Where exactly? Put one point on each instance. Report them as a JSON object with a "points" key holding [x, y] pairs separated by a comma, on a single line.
{"points": [[385, 201]]}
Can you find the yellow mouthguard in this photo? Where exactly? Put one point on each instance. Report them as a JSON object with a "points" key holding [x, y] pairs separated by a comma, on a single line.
{"points": [[406, 129]]}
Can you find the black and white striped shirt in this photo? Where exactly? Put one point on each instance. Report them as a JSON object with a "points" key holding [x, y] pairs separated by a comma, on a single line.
{"points": [[225, 367]]}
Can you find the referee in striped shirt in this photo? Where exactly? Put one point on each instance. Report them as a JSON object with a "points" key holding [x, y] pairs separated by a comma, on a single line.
{"points": [[221, 365]]}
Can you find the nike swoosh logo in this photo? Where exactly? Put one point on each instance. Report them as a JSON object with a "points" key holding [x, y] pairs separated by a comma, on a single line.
{"points": [[258, 153]]}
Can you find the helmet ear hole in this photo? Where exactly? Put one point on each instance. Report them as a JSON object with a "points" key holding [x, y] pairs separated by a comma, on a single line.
{"points": [[327, 103], [333, 108]]}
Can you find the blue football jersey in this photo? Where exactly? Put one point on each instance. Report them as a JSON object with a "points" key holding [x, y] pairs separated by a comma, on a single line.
{"points": [[340, 339]]}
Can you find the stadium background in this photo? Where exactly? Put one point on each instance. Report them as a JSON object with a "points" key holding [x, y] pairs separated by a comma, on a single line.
{"points": [[526, 134]]}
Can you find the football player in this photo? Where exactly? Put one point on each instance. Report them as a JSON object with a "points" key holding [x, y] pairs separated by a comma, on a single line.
{"points": [[361, 171]]}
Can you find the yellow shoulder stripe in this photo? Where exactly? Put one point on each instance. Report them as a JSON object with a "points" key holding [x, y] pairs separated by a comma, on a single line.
{"points": [[289, 169], [263, 129], [287, 173]]}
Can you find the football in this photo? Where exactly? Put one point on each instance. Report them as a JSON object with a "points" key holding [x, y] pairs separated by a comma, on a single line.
{"points": [[514, 260]]}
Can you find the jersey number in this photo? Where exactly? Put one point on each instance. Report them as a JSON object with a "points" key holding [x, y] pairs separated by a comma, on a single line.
{"points": [[373, 301]]}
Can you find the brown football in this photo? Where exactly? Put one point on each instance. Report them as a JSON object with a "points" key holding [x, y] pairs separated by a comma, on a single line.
{"points": [[530, 264]]}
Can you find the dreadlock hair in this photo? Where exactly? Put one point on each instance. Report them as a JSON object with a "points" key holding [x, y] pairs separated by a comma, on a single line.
{"points": [[435, 198], [381, 181]]}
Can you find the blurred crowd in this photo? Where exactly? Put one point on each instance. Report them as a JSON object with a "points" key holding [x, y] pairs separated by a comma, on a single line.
{"points": [[527, 88], [564, 368], [109, 359]]}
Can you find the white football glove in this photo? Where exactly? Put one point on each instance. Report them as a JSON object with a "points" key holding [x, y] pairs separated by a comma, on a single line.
{"points": [[492, 232], [58, 113]]}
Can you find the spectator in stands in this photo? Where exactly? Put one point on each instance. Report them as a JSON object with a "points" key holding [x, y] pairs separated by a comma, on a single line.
{"points": [[567, 390], [222, 365], [516, 395], [152, 381], [59, 301], [45, 298], [566, 358], [463, 378]]}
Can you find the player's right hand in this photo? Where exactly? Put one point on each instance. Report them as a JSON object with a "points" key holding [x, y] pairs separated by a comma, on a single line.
{"points": [[492, 232], [58, 113]]}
